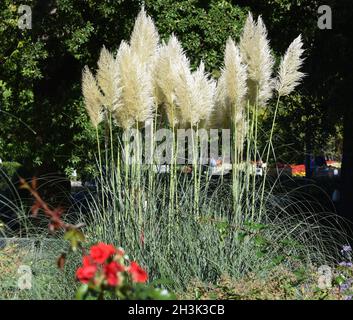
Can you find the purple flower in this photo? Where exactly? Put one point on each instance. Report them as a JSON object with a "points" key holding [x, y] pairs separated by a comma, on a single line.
{"points": [[346, 264], [346, 285], [348, 298]]}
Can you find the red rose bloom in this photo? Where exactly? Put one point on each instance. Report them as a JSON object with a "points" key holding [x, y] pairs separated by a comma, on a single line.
{"points": [[85, 273], [137, 273], [111, 273], [101, 252]]}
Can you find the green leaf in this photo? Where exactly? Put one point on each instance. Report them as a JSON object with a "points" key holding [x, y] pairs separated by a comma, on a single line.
{"points": [[340, 280], [75, 237], [255, 226], [278, 260], [241, 236], [82, 292], [300, 274], [161, 294], [260, 241]]}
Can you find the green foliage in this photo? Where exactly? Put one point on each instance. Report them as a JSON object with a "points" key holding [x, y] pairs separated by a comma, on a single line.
{"points": [[137, 292], [9, 168], [75, 237], [202, 27], [302, 124], [43, 120], [7, 173]]}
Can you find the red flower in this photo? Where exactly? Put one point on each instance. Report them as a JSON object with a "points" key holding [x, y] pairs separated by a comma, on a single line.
{"points": [[101, 252], [85, 273], [137, 273], [111, 273]]}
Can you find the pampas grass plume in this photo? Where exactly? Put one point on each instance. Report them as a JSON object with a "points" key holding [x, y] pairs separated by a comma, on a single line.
{"points": [[231, 88], [136, 98], [144, 39], [255, 48], [171, 67], [92, 97], [108, 79], [289, 75], [195, 94]]}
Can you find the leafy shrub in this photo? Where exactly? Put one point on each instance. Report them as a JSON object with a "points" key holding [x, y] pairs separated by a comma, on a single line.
{"points": [[7, 172]]}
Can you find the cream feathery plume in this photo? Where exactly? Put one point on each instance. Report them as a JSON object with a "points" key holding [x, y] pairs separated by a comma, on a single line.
{"points": [[248, 34], [235, 73], [289, 76], [157, 68], [206, 86], [108, 79], [187, 98], [184, 99], [92, 97], [231, 88], [136, 98], [256, 51], [144, 38], [221, 117], [171, 62], [225, 116], [194, 97]]}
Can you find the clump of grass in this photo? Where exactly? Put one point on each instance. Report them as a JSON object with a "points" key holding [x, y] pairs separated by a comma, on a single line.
{"points": [[190, 226], [13, 211], [47, 281], [186, 247]]}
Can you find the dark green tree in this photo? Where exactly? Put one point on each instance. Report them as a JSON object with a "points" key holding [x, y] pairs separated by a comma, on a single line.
{"points": [[43, 120], [203, 27]]}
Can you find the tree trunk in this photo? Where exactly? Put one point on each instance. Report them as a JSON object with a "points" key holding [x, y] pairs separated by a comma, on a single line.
{"points": [[347, 167]]}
